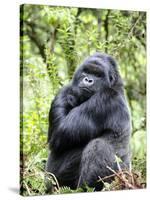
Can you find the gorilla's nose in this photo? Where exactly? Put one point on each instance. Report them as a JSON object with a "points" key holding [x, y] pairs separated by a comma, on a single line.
{"points": [[88, 81]]}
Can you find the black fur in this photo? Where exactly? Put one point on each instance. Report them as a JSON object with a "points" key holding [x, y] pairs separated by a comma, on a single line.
{"points": [[89, 125]]}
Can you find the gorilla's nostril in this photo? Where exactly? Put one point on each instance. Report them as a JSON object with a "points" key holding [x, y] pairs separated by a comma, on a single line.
{"points": [[90, 80], [86, 79]]}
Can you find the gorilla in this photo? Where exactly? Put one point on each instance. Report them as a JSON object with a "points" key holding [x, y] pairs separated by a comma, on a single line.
{"points": [[89, 125]]}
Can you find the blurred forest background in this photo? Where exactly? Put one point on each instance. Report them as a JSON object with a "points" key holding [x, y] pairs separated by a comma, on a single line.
{"points": [[54, 41]]}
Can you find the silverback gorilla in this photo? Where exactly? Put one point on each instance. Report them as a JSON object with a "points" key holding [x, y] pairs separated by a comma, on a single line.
{"points": [[89, 124]]}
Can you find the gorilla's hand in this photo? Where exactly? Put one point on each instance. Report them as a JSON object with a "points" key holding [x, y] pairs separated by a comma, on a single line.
{"points": [[72, 101], [77, 96]]}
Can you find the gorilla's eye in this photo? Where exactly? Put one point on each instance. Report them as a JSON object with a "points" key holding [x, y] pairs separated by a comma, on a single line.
{"points": [[100, 74], [94, 71], [86, 71]]}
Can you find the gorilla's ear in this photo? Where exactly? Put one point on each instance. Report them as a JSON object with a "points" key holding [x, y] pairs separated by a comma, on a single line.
{"points": [[114, 76], [113, 71]]}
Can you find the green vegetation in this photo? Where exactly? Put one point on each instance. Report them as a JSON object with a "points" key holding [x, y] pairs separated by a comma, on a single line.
{"points": [[54, 41]]}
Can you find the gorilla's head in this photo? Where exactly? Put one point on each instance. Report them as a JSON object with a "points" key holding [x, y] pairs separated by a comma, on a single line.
{"points": [[97, 72]]}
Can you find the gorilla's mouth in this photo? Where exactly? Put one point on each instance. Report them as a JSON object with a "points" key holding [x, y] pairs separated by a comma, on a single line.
{"points": [[86, 89]]}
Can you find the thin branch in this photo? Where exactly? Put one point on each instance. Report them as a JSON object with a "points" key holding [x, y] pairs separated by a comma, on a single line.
{"points": [[122, 178], [106, 26], [32, 35], [132, 28], [28, 190], [53, 38]]}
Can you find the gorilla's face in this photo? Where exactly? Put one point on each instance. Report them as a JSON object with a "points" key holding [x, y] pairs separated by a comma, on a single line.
{"points": [[91, 79], [97, 72]]}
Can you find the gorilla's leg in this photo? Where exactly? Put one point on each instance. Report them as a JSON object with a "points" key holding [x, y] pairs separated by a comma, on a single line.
{"points": [[96, 156], [65, 167]]}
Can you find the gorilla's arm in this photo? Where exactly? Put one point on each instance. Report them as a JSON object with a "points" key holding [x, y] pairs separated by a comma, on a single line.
{"points": [[74, 126], [64, 102], [60, 107]]}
